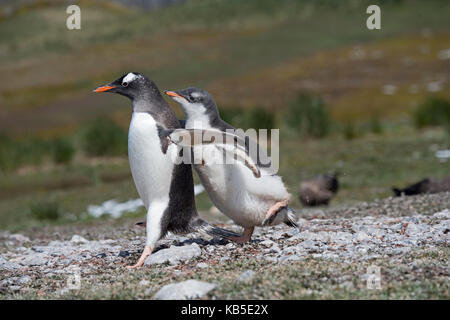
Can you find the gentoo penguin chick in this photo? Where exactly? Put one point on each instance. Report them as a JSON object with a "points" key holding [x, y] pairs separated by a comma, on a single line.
{"points": [[166, 189], [246, 197], [318, 190], [424, 186]]}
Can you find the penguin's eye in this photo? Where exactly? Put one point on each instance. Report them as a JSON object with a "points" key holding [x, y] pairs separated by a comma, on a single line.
{"points": [[191, 99], [124, 84]]}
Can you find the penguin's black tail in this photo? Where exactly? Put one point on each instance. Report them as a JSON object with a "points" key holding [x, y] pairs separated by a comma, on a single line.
{"points": [[291, 218], [201, 225]]}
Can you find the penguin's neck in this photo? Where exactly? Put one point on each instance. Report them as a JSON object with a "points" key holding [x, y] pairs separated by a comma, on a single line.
{"points": [[158, 108]]}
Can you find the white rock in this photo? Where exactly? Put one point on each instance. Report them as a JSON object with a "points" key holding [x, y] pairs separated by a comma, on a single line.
{"points": [[36, 259], [174, 255], [8, 265], [267, 243], [18, 238], [246, 276], [190, 289], [442, 214], [362, 236], [144, 283], [78, 239], [202, 265]]}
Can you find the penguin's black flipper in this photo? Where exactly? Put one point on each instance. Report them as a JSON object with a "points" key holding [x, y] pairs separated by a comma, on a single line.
{"points": [[201, 225]]}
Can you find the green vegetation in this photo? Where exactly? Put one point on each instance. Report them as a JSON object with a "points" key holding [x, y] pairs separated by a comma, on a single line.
{"points": [[433, 112], [62, 150], [308, 116], [102, 137], [45, 210], [260, 118], [375, 125], [245, 118], [15, 152], [349, 130]]}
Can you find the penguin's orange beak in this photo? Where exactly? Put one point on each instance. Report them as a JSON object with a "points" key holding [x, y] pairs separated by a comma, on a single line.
{"points": [[173, 94], [104, 88]]}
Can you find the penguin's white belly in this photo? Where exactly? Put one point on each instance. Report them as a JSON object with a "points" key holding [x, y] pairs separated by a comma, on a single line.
{"points": [[150, 167], [236, 192]]}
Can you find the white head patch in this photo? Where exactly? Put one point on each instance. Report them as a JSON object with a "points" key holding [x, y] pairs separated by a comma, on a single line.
{"points": [[130, 77]]}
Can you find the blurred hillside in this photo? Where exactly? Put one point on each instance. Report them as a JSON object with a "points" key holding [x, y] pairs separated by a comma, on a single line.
{"points": [[254, 52]]}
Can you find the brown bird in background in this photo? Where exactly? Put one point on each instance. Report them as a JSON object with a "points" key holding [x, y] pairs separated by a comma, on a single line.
{"points": [[424, 186], [318, 190]]}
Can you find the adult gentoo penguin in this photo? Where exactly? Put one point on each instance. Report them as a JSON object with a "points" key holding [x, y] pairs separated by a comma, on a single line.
{"points": [[247, 197], [166, 189]]}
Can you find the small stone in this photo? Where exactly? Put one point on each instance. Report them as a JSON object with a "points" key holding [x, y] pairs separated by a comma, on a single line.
{"points": [[308, 244], [101, 255], [190, 289], [36, 259], [174, 255], [202, 265], [230, 246], [144, 283], [362, 236], [442, 214], [24, 280], [267, 243], [280, 234], [8, 265], [246, 276], [78, 239], [14, 288], [123, 253], [16, 237]]}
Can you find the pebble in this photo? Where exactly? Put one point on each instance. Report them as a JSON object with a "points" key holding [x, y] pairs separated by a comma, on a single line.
{"points": [[189, 289], [78, 239], [202, 265], [174, 255], [246, 276], [8, 265]]}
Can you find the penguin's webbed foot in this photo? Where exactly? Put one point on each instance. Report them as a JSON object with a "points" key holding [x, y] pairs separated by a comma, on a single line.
{"points": [[273, 210], [147, 251], [245, 237]]}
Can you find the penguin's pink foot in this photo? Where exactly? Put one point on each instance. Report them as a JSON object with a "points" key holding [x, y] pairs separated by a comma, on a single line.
{"points": [[274, 209], [245, 237], [147, 251]]}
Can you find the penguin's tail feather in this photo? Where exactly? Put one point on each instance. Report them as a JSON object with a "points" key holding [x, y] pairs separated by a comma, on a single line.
{"points": [[291, 218], [201, 225]]}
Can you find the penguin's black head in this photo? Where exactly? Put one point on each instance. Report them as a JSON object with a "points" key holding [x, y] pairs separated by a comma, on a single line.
{"points": [[133, 85], [196, 103]]}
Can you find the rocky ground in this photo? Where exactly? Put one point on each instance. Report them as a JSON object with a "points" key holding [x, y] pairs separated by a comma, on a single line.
{"points": [[391, 248]]}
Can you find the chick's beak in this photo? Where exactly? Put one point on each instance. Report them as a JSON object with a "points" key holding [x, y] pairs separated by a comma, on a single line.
{"points": [[173, 94], [104, 88]]}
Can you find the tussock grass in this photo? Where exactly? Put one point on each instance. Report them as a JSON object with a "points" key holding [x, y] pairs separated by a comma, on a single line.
{"points": [[308, 115], [433, 111], [102, 137]]}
